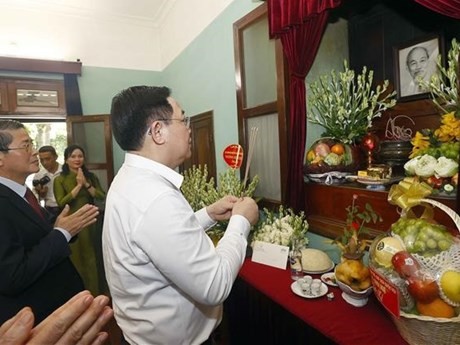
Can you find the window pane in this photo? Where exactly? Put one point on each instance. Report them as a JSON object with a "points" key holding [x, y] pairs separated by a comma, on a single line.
{"points": [[266, 160], [95, 152], [259, 65]]}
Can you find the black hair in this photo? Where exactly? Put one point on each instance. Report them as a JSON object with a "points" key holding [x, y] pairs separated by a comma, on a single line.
{"points": [[133, 111], [47, 148], [67, 152], [5, 136]]}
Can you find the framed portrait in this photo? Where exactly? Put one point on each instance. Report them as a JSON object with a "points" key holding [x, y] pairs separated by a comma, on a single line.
{"points": [[413, 61]]}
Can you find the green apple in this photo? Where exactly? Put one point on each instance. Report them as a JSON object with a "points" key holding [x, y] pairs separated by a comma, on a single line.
{"points": [[450, 285]]}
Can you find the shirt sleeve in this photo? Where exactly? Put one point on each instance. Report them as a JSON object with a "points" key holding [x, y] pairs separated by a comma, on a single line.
{"points": [[174, 239]]}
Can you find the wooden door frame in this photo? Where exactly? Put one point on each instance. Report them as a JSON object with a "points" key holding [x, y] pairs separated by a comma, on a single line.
{"points": [[279, 106], [70, 120]]}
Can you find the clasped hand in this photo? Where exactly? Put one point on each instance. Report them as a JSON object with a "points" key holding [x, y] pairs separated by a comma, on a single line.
{"points": [[79, 321], [73, 223], [230, 205]]}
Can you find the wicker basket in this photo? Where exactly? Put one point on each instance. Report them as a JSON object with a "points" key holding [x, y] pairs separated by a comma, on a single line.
{"points": [[418, 329]]}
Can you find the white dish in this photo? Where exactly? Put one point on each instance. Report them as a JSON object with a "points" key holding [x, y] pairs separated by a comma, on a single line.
{"points": [[353, 301], [296, 289], [329, 279], [322, 271], [372, 182]]}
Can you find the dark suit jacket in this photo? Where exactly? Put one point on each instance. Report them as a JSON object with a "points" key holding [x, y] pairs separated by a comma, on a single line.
{"points": [[35, 269]]}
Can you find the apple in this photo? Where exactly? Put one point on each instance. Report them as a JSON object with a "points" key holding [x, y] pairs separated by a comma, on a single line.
{"points": [[405, 264], [450, 285], [322, 149], [424, 290]]}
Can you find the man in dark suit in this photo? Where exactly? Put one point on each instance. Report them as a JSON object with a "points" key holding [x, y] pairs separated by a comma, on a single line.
{"points": [[35, 268]]}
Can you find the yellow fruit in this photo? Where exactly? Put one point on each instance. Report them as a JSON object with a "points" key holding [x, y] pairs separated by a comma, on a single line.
{"points": [[385, 249], [311, 155], [436, 308], [354, 274], [450, 285]]}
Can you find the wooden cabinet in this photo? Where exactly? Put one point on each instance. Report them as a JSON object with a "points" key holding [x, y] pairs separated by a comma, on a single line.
{"points": [[325, 208], [36, 98]]}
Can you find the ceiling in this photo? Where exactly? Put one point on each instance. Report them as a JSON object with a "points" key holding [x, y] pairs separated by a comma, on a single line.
{"points": [[131, 34], [149, 12]]}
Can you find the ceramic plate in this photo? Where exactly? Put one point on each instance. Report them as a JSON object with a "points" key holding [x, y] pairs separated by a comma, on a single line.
{"points": [[353, 301], [329, 279], [296, 289], [368, 181], [320, 272]]}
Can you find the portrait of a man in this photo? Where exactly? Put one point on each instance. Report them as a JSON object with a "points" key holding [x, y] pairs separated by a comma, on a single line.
{"points": [[416, 62]]}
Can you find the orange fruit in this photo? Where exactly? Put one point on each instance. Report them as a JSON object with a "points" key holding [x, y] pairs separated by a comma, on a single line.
{"points": [[436, 308], [338, 149]]}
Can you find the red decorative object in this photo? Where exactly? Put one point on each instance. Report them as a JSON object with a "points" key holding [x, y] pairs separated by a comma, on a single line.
{"points": [[233, 156], [370, 143]]}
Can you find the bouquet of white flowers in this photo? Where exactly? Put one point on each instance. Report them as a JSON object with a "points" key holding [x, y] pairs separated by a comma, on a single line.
{"points": [[282, 228]]}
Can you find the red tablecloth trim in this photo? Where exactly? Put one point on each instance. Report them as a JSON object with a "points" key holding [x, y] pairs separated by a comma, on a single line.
{"points": [[336, 319]]}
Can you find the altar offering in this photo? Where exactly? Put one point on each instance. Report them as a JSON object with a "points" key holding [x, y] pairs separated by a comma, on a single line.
{"points": [[316, 261], [415, 267]]}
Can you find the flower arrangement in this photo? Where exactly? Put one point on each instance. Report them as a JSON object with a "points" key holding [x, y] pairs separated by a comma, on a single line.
{"points": [[443, 85], [345, 104], [435, 153], [283, 227], [201, 190], [350, 242]]}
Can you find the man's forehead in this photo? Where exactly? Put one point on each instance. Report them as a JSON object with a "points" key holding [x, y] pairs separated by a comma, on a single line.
{"points": [[176, 106], [20, 134]]}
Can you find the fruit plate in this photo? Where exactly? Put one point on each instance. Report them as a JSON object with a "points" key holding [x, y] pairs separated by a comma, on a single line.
{"points": [[329, 279], [296, 289], [322, 271], [332, 177]]}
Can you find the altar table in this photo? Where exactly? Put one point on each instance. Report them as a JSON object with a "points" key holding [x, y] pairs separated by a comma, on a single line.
{"points": [[262, 309]]}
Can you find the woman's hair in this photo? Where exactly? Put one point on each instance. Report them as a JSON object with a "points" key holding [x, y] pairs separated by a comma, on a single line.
{"points": [[67, 152]]}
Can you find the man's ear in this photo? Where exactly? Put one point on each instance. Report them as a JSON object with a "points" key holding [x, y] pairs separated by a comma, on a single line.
{"points": [[157, 132]]}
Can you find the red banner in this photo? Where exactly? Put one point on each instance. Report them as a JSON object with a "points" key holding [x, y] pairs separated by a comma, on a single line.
{"points": [[386, 292]]}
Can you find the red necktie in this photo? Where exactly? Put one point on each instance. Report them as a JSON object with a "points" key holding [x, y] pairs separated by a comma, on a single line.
{"points": [[30, 197]]}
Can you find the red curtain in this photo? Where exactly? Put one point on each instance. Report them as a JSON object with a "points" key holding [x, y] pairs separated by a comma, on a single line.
{"points": [[300, 25], [449, 8]]}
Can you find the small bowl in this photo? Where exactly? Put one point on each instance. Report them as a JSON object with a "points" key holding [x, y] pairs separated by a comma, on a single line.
{"points": [[353, 297]]}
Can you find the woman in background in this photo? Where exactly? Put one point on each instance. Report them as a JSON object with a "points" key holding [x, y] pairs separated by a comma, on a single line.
{"points": [[77, 186]]}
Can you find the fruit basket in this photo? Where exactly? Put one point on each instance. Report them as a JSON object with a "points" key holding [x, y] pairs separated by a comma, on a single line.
{"points": [[421, 260], [329, 155]]}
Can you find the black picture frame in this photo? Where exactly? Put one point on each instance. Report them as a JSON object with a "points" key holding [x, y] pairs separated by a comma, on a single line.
{"points": [[419, 56]]}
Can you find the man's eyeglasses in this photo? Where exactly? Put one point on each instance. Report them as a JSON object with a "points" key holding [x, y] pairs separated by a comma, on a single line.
{"points": [[29, 147], [185, 121]]}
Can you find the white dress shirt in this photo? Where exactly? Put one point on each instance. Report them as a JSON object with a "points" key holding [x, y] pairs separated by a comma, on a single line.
{"points": [[166, 278], [50, 200]]}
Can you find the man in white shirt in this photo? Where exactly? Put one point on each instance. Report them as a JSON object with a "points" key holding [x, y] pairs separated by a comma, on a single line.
{"points": [[44, 179], [166, 278]]}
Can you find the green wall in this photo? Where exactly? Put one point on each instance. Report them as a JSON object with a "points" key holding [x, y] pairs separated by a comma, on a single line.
{"points": [[202, 77], [99, 85]]}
